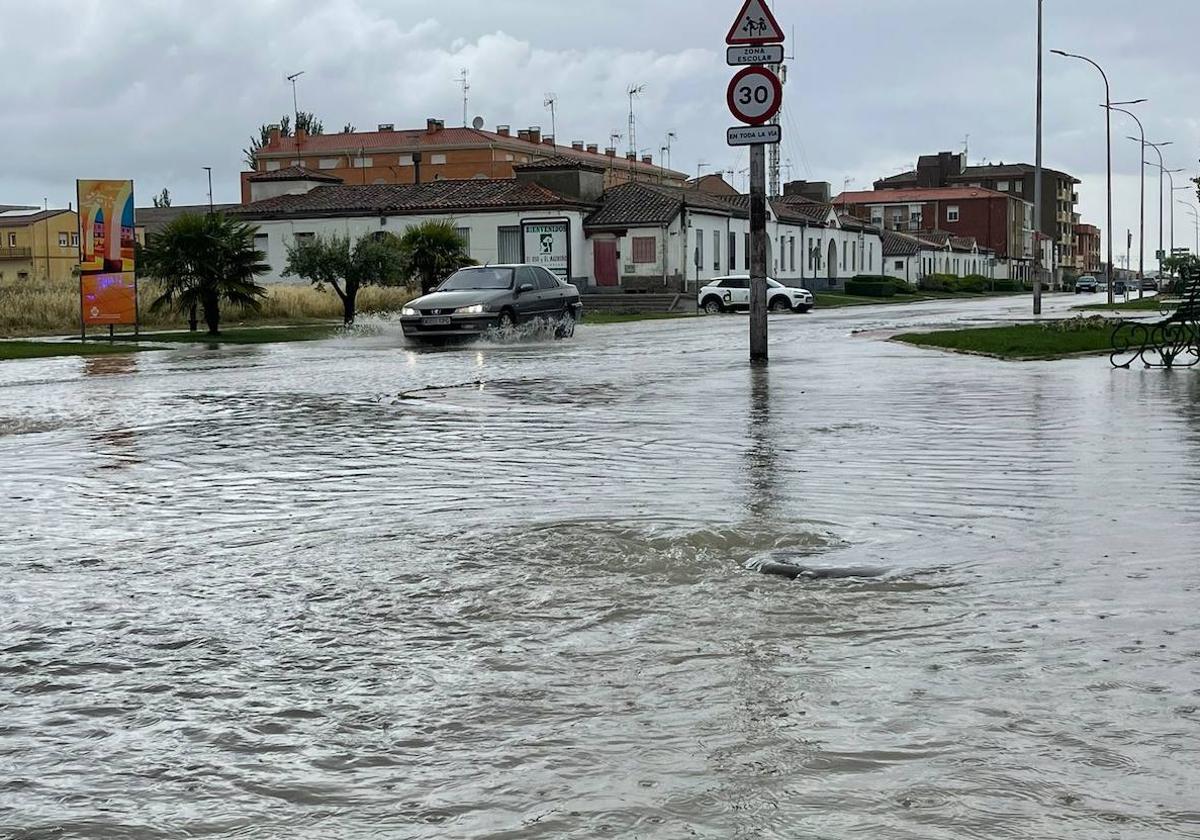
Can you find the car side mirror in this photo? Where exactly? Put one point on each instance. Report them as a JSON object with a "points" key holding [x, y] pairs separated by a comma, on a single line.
{"points": [[524, 287]]}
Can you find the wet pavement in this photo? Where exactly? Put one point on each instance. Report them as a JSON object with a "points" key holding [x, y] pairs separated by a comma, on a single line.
{"points": [[255, 592]]}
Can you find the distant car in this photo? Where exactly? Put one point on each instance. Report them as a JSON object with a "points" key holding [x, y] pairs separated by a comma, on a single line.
{"points": [[1149, 284], [1087, 283], [732, 294], [1120, 288], [472, 301]]}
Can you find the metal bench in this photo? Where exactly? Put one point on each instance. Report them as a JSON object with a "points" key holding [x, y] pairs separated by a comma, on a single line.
{"points": [[1171, 342]]}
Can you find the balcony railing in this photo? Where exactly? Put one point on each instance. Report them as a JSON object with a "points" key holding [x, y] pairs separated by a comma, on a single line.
{"points": [[15, 253]]}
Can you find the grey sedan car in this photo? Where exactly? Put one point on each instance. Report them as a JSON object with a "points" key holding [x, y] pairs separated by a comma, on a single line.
{"points": [[474, 300]]}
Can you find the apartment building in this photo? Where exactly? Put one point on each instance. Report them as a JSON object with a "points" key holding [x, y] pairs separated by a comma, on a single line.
{"points": [[39, 246]]}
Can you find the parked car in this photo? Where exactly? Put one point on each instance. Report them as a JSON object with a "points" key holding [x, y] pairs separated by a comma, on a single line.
{"points": [[472, 301], [1149, 284], [1087, 283], [732, 294]]}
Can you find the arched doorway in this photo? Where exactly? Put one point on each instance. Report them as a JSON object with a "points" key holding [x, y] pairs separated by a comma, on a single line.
{"points": [[833, 258]]}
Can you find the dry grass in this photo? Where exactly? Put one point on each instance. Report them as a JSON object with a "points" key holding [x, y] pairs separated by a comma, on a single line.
{"points": [[38, 308]]}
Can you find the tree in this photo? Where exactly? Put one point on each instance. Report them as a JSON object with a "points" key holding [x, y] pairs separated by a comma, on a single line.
{"points": [[205, 261], [333, 261], [163, 199], [432, 250], [307, 122]]}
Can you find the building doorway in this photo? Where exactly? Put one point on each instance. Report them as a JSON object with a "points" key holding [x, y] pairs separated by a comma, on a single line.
{"points": [[604, 255], [833, 268]]}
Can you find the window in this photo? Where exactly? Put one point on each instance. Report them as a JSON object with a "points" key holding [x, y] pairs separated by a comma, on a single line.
{"points": [[363, 163], [870, 255], [732, 251], [406, 160], [844, 249], [952, 213], [261, 242], [716, 250], [899, 265], [976, 184], [854, 256], [12, 240], [74, 240], [509, 240], [303, 238], [645, 250], [812, 255], [328, 163], [736, 283], [437, 160], [63, 240], [465, 235], [272, 166], [699, 249], [792, 252], [746, 254], [545, 280], [1002, 186], [876, 219], [1019, 186]]}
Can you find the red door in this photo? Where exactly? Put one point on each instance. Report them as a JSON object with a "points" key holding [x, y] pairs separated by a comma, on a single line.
{"points": [[605, 255]]}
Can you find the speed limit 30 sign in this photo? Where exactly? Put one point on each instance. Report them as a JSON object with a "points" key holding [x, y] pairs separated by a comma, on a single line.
{"points": [[755, 95]]}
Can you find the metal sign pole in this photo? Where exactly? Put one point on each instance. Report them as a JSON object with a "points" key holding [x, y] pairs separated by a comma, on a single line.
{"points": [[758, 254]]}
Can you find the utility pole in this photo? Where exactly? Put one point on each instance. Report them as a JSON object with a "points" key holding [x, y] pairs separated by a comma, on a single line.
{"points": [[1037, 179], [296, 111]]}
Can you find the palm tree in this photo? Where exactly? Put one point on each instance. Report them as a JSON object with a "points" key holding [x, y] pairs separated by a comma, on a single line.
{"points": [[432, 250], [205, 261]]}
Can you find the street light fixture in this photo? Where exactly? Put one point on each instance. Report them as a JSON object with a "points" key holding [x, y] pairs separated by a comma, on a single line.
{"points": [[1196, 222], [1162, 170], [1108, 139], [1142, 213]]}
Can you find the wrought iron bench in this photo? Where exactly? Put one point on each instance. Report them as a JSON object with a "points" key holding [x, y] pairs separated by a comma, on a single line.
{"points": [[1171, 342]]}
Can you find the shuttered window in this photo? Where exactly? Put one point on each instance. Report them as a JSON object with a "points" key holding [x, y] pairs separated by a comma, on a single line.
{"points": [[645, 250]]}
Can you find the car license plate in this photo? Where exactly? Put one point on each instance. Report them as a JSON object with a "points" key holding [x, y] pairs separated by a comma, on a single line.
{"points": [[436, 322]]}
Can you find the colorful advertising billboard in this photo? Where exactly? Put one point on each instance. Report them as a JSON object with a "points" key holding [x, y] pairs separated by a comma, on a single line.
{"points": [[107, 288]]}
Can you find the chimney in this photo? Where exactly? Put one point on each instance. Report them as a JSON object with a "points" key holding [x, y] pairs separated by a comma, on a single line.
{"points": [[577, 145], [273, 134], [594, 148], [522, 134], [631, 156], [548, 140], [535, 134], [387, 127], [610, 151], [503, 130], [648, 160], [433, 126]]}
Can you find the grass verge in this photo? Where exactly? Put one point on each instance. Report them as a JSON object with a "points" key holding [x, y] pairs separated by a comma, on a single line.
{"points": [[49, 349], [1150, 304], [239, 335], [835, 300], [1049, 340]]}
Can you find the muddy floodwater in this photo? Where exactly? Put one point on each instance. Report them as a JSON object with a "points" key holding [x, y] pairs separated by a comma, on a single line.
{"points": [[350, 589]]}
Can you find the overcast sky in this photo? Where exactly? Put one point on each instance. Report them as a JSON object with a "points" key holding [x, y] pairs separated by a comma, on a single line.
{"points": [[157, 89]]}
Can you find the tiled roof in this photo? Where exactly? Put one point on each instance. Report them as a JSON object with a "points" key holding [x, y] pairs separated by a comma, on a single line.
{"points": [[558, 162], [896, 244], [154, 219], [409, 198], [410, 139], [633, 205], [998, 170], [917, 195], [802, 212], [26, 219], [963, 243], [294, 173]]}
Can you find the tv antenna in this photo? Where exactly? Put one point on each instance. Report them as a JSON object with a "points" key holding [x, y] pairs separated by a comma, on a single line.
{"points": [[465, 81], [551, 104], [295, 109], [671, 137], [633, 92]]}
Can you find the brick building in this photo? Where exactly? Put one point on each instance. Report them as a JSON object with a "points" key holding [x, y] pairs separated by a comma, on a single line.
{"points": [[1059, 195], [437, 153], [999, 222], [1087, 249]]}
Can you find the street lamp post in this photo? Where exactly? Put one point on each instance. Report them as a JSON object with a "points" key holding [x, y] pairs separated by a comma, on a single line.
{"points": [[1162, 169], [1142, 215], [1196, 222], [1037, 179]]}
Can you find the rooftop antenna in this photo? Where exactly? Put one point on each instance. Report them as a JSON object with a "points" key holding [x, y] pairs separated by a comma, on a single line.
{"points": [[967, 150], [633, 92], [671, 137], [465, 81], [551, 103], [614, 139], [295, 110], [700, 167]]}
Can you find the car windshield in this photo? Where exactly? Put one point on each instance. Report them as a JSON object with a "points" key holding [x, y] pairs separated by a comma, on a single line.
{"points": [[478, 278]]}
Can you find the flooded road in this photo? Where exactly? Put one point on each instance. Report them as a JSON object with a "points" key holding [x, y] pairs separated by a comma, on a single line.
{"points": [[256, 592]]}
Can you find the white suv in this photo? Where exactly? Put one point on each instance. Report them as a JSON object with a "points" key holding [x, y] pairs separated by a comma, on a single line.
{"points": [[732, 294]]}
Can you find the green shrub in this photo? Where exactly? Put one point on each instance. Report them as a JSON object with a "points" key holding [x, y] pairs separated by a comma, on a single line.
{"points": [[974, 284], [1007, 286], [938, 283], [902, 288], [871, 288]]}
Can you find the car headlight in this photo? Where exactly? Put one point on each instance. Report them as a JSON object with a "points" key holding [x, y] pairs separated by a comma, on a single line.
{"points": [[408, 312], [477, 309]]}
